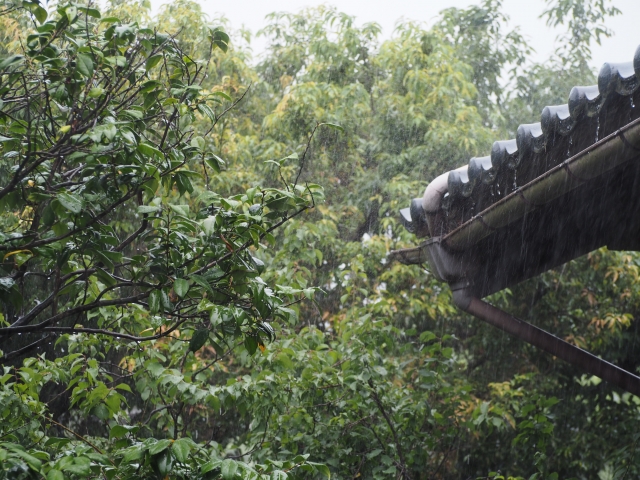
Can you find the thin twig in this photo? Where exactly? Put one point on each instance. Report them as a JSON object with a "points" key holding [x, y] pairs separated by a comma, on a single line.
{"points": [[304, 154], [78, 436]]}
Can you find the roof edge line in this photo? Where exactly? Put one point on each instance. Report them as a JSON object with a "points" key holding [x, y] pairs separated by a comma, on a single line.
{"points": [[555, 182]]}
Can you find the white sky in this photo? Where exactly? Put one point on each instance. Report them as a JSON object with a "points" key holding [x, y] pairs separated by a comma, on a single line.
{"points": [[523, 13]]}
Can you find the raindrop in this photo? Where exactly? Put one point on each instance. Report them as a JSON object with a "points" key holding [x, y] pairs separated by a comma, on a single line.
{"points": [[569, 147], [597, 128], [498, 189], [633, 105], [515, 179], [492, 193]]}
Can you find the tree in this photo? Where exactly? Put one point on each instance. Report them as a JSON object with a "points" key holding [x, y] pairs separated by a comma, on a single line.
{"points": [[112, 238]]}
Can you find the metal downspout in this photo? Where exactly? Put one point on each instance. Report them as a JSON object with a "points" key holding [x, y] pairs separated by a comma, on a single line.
{"points": [[550, 343]]}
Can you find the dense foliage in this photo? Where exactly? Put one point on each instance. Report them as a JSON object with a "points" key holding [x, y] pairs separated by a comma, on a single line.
{"points": [[180, 298]]}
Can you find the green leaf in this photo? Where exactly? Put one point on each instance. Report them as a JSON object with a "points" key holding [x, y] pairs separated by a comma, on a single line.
{"points": [[152, 62], [210, 465], [154, 301], [148, 209], [323, 469], [198, 339], [71, 12], [119, 431], [149, 151], [180, 209], [55, 475], [220, 39], [198, 143], [71, 202], [181, 287], [32, 461], [203, 283], [223, 95], [251, 344], [165, 301], [209, 225], [181, 449], [11, 61], [81, 466], [159, 446], [229, 468], [40, 14], [427, 336], [134, 453], [84, 64], [92, 12], [95, 92], [332, 125], [163, 463], [206, 110]]}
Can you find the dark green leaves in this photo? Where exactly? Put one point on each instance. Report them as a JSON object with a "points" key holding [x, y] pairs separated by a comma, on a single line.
{"points": [[70, 201], [160, 446], [181, 287], [219, 38], [152, 61], [149, 151], [251, 344], [228, 469], [11, 61], [159, 301], [198, 339], [181, 449], [84, 63]]}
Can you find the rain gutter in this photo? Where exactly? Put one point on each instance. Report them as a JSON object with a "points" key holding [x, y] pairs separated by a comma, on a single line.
{"points": [[547, 342], [601, 157]]}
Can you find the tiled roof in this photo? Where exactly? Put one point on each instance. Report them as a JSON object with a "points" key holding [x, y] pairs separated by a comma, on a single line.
{"points": [[592, 113], [563, 187]]}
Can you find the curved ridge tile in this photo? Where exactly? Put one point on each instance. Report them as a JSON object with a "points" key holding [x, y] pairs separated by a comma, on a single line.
{"points": [[557, 119], [504, 153], [584, 101], [530, 139], [636, 62], [459, 182], [617, 77], [481, 170]]}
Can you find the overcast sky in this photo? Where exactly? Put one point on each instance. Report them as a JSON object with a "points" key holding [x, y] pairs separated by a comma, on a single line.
{"points": [[523, 13]]}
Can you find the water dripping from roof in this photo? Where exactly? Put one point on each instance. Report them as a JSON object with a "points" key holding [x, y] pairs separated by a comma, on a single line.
{"points": [[633, 105], [569, 147], [597, 128], [515, 179]]}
